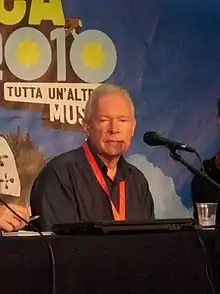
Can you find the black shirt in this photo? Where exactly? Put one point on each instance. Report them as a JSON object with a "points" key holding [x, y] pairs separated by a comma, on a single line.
{"points": [[67, 191]]}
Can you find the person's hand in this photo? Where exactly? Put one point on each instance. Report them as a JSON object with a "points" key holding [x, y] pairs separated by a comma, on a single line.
{"points": [[9, 221]]}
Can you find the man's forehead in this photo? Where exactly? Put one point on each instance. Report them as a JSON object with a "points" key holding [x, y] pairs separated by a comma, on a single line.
{"points": [[113, 109]]}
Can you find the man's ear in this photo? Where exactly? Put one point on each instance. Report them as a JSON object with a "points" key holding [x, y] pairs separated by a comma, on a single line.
{"points": [[133, 127], [85, 127], [218, 120]]}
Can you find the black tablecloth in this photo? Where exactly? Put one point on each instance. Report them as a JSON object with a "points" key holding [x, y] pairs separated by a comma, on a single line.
{"points": [[151, 263]]}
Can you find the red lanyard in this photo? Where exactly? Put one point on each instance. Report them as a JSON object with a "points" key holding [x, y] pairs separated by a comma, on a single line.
{"points": [[99, 176]]}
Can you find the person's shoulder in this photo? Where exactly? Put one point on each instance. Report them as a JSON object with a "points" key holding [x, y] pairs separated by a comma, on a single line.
{"points": [[210, 168], [63, 159], [59, 164], [209, 163]]}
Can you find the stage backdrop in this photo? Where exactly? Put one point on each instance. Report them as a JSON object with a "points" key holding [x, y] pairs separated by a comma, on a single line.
{"points": [[54, 53]]}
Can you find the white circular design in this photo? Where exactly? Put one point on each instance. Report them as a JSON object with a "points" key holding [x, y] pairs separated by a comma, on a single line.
{"points": [[108, 48], [11, 47]]}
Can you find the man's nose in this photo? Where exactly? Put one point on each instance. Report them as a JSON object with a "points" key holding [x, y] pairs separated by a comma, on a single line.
{"points": [[113, 126]]}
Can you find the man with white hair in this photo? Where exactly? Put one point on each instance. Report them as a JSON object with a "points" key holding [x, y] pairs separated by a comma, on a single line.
{"points": [[94, 182]]}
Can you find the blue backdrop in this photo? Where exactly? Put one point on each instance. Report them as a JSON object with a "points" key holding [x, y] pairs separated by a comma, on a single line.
{"points": [[168, 58]]}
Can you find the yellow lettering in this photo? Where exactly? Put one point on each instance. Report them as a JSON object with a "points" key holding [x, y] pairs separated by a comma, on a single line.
{"points": [[14, 16], [51, 10]]}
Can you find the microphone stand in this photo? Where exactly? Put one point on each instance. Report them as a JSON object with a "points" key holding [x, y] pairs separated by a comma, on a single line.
{"points": [[207, 247], [191, 168]]}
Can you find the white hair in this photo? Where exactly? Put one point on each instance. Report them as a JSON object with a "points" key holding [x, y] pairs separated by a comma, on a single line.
{"points": [[105, 89]]}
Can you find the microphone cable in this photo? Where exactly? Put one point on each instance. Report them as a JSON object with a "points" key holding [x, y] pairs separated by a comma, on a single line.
{"points": [[208, 261], [200, 160]]}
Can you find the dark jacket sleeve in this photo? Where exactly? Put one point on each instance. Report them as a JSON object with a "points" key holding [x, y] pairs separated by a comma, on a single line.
{"points": [[203, 191], [52, 197]]}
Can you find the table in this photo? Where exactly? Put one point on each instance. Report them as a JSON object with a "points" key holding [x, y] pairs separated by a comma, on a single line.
{"points": [[165, 262]]}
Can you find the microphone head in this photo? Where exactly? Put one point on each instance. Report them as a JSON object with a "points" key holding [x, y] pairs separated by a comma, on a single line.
{"points": [[150, 137], [154, 139]]}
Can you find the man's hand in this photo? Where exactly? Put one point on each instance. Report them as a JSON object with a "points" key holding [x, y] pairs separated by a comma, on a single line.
{"points": [[9, 221]]}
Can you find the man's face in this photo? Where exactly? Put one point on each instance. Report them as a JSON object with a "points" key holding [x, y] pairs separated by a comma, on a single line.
{"points": [[111, 125]]}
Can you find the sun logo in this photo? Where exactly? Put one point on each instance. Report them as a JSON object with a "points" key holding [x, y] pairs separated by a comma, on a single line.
{"points": [[28, 53], [93, 56]]}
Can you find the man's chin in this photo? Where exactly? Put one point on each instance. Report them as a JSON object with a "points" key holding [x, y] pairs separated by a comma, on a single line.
{"points": [[112, 155]]}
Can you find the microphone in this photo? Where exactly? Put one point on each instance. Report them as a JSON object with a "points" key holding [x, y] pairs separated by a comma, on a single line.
{"points": [[154, 139]]}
